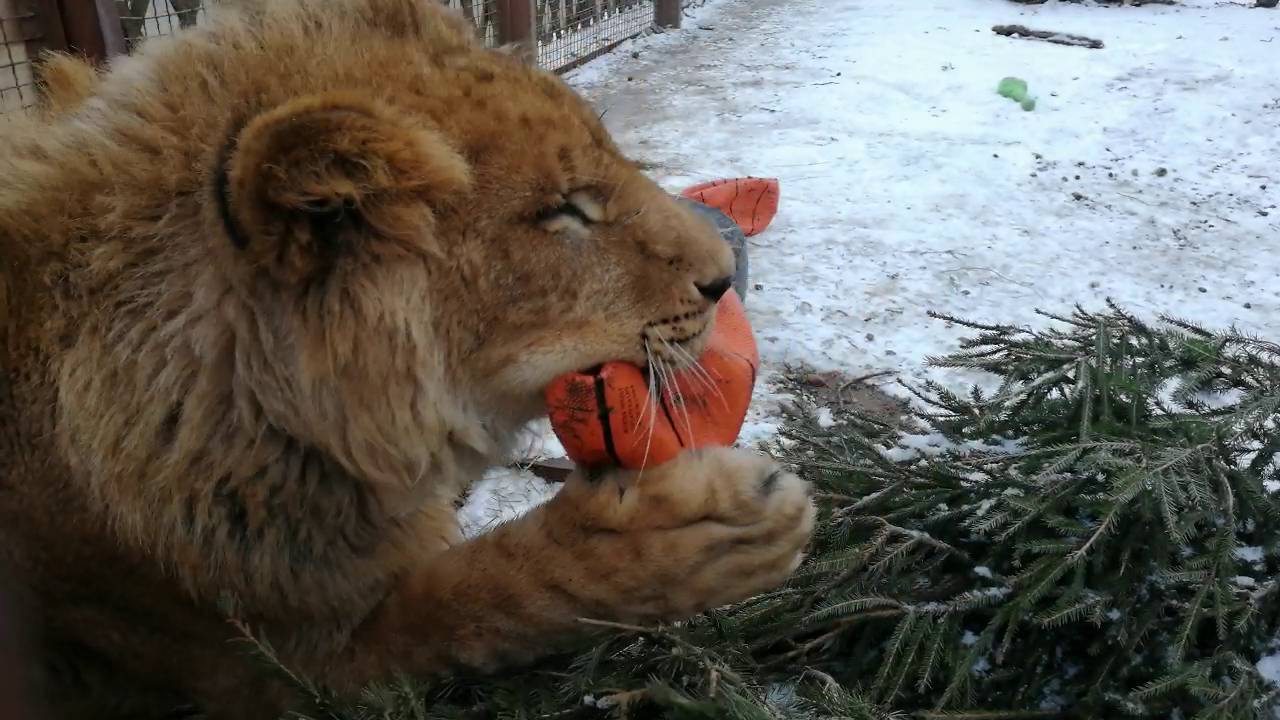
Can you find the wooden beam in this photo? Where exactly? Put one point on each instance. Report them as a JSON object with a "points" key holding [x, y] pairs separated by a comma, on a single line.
{"points": [[666, 13], [49, 21], [516, 27], [92, 28]]}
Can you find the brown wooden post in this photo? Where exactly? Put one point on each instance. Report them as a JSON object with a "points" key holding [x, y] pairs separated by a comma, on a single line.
{"points": [[92, 27], [516, 26], [51, 36], [666, 13]]}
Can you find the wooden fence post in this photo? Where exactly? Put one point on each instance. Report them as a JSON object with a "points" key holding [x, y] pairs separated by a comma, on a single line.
{"points": [[50, 35], [516, 26], [92, 27], [666, 13]]}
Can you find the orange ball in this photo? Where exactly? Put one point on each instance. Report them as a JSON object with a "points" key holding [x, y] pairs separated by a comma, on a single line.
{"points": [[607, 416]]}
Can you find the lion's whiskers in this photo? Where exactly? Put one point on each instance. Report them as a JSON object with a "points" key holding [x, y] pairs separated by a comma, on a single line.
{"points": [[652, 407], [699, 372], [648, 351], [676, 393]]}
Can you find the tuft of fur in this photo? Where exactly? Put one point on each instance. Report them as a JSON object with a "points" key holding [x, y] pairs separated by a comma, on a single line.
{"points": [[65, 81], [275, 290]]}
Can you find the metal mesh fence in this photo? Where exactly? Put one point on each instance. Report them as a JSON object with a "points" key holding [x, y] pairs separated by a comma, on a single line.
{"points": [[148, 18], [483, 14], [570, 32], [567, 32], [19, 32], [141, 19]]}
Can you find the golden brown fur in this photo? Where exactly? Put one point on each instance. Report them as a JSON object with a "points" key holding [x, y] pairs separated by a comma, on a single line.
{"points": [[65, 81], [272, 293]]}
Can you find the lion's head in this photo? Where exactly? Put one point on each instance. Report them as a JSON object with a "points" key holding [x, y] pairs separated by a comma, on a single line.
{"points": [[345, 223], [415, 205]]}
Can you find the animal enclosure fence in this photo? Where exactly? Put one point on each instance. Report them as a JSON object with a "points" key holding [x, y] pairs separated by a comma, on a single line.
{"points": [[22, 34], [558, 34], [141, 19], [570, 32]]}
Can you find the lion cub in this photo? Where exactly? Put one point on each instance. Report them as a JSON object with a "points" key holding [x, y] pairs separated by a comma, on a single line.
{"points": [[272, 293]]}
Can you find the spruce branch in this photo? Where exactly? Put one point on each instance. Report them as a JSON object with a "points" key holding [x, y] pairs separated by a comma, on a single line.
{"points": [[1097, 537]]}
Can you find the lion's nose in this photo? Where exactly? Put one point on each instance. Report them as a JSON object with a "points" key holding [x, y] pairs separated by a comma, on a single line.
{"points": [[715, 289]]}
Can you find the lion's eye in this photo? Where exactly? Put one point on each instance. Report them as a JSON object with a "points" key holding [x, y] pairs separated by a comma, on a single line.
{"points": [[574, 211], [585, 205], [579, 210]]}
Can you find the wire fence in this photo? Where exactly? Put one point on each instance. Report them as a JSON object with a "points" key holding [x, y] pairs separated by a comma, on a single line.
{"points": [[559, 34], [483, 14], [141, 19], [571, 32], [19, 36]]}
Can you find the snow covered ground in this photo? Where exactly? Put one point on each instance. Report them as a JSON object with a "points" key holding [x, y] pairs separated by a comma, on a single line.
{"points": [[1149, 171]]}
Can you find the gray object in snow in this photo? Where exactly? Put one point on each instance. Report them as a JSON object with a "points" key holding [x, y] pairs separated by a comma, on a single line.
{"points": [[732, 234]]}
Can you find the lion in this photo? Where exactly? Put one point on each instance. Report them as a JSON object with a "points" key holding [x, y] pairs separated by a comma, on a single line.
{"points": [[274, 291]]}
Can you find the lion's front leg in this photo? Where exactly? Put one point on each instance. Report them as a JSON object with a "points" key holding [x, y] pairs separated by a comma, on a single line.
{"points": [[709, 528]]}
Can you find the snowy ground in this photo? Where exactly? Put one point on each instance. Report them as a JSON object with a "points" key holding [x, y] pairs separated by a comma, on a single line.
{"points": [[1149, 171]]}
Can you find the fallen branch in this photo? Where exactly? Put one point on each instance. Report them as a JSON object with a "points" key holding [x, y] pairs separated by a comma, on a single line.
{"points": [[1021, 31]]}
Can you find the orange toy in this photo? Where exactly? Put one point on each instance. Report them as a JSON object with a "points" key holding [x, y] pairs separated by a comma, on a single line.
{"points": [[751, 202], [608, 416]]}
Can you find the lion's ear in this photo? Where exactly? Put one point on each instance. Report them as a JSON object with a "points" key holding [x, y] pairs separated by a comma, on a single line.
{"points": [[320, 177]]}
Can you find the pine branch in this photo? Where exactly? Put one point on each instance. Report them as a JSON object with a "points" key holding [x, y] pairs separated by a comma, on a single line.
{"points": [[1097, 539]]}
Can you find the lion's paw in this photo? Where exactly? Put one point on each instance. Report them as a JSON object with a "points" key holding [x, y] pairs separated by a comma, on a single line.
{"points": [[711, 527]]}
